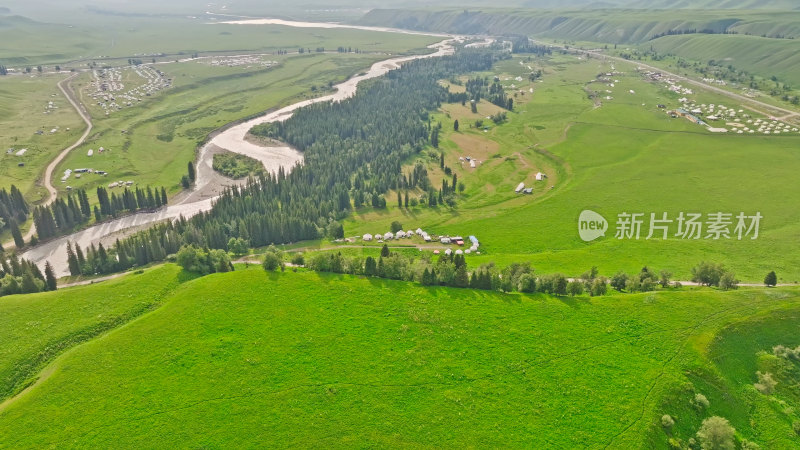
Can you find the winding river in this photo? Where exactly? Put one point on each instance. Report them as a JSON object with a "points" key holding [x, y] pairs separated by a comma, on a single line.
{"points": [[232, 139]]}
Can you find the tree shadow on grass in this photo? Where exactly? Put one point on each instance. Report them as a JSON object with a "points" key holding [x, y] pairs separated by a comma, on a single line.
{"points": [[573, 302], [184, 275]]}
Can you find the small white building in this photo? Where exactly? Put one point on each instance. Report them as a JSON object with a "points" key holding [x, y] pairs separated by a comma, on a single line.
{"points": [[367, 237], [540, 176], [519, 188], [400, 234], [388, 236], [444, 240]]}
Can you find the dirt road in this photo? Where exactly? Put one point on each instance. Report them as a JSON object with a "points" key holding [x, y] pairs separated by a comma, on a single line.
{"points": [[63, 85]]}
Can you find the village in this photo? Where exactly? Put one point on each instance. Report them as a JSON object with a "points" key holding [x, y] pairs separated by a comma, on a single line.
{"points": [[738, 121], [244, 61], [456, 240]]}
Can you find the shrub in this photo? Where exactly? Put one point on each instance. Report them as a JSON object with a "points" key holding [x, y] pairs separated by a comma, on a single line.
{"points": [[527, 283], [747, 445], [396, 226], [667, 421], [203, 261], [554, 284], [700, 402], [716, 433], [707, 273], [574, 288], [298, 259], [641, 282], [786, 352], [619, 281], [273, 259], [766, 384], [238, 246], [665, 277], [599, 287], [728, 281]]}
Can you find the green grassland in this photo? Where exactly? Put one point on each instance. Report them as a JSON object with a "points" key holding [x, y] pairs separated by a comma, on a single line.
{"points": [[757, 55], [23, 103], [306, 359], [35, 329], [622, 155], [113, 39]]}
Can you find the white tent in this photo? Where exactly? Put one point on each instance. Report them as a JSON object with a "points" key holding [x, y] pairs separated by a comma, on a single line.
{"points": [[367, 237], [388, 236]]}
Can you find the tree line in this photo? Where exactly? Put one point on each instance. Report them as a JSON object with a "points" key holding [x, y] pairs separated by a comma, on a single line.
{"points": [[66, 213], [20, 276]]}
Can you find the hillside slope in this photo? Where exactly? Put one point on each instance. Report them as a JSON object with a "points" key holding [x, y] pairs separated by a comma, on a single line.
{"points": [[305, 359], [609, 25], [756, 55]]}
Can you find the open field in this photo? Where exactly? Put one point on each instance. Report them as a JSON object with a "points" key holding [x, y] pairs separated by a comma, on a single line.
{"points": [[249, 357], [115, 39], [614, 156], [37, 328], [25, 109]]}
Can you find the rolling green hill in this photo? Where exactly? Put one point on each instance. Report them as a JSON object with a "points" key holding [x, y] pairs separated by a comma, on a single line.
{"points": [[249, 358], [608, 25], [34, 329], [756, 55]]}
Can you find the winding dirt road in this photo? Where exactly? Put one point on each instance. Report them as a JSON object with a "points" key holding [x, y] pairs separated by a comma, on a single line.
{"points": [[63, 85]]}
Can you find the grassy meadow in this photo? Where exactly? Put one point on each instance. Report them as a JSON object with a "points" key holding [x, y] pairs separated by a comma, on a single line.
{"points": [[24, 110], [610, 156], [113, 40], [34, 329], [307, 359]]}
